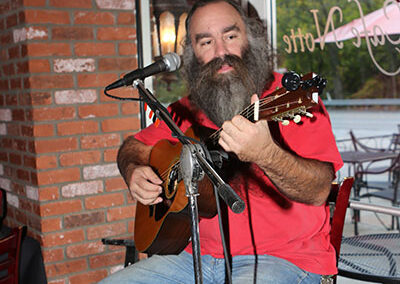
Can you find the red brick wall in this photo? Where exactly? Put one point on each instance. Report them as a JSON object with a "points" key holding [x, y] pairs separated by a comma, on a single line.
{"points": [[60, 134]]}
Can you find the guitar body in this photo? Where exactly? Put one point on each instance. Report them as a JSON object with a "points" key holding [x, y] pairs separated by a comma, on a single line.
{"points": [[165, 228]]}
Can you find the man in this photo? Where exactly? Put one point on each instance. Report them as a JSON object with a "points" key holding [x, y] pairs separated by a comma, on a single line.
{"points": [[283, 173]]}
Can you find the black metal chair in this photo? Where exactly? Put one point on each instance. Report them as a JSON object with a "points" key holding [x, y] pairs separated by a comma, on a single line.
{"points": [[131, 254], [373, 168], [3, 206], [10, 248], [387, 190], [371, 257]]}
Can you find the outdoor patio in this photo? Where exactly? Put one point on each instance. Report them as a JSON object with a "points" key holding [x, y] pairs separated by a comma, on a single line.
{"points": [[380, 125]]}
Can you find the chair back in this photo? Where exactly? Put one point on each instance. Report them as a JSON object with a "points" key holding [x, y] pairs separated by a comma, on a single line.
{"points": [[10, 246], [370, 170], [339, 200], [3, 206], [359, 146], [395, 143]]}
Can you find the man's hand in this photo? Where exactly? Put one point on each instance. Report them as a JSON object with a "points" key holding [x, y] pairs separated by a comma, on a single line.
{"points": [[145, 185], [292, 175], [133, 159], [246, 139]]}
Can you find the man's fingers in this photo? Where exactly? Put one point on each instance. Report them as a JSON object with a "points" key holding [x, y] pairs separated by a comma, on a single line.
{"points": [[147, 201], [150, 175], [236, 125], [241, 123], [147, 194], [226, 141], [145, 186]]}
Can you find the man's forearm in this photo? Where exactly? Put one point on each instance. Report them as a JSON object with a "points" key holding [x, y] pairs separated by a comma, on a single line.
{"points": [[302, 180], [132, 153]]}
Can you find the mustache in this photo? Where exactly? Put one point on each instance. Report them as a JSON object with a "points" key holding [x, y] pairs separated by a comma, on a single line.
{"points": [[240, 71]]}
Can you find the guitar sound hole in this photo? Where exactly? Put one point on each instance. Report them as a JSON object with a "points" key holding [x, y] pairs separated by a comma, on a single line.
{"points": [[159, 210], [151, 211], [162, 208], [173, 179]]}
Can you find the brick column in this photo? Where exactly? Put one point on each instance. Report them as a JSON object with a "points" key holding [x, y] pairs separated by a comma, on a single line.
{"points": [[60, 134]]}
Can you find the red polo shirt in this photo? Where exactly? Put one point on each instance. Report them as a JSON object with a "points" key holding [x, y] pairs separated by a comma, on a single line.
{"points": [[271, 224]]}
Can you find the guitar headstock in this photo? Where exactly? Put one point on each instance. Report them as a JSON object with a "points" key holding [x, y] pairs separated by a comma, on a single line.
{"points": [[291, 101]]}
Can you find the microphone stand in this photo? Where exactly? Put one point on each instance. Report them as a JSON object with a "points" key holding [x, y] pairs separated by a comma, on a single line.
{"points": [[193, 165]]}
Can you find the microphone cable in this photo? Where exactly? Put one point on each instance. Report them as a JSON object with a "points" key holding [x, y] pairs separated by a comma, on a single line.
{"points": [[121, 98]]}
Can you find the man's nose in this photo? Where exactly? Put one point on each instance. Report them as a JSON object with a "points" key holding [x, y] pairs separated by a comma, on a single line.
{"points": [[220, 49]]}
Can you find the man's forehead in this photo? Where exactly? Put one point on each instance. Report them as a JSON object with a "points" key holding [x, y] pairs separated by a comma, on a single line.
{"points": [[219, 16]]}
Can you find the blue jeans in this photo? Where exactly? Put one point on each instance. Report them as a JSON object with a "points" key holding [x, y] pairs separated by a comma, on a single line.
{"points": [[179, 269]]}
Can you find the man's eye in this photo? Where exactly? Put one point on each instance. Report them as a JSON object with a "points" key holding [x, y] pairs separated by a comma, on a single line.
{"points": [[204, 43], [232, 36]]}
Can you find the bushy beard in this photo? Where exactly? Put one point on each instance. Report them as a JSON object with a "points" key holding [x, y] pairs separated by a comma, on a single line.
{"points": [[222, 96]]}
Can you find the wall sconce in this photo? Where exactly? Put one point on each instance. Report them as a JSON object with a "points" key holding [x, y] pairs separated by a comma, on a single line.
{"points": [[167, 32], [169, 18]]}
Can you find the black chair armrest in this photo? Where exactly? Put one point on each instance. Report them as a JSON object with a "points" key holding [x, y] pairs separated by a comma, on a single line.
{"points": [[131, 254]]}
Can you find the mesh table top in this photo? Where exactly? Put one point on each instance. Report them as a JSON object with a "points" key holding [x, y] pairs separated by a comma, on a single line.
{"points": [[374, 257]]}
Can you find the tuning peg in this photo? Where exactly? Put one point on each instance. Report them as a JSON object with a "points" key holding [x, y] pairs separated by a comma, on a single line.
{"points": [[310, 115], [297, 118], [291, 81], [303, 112], [284, 122]]}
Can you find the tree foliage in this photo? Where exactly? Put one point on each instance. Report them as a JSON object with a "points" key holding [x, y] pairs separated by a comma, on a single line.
{"points": [[350, 70]]}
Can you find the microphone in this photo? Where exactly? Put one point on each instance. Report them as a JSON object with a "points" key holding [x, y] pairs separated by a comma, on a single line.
{"points": [[169, 62]]}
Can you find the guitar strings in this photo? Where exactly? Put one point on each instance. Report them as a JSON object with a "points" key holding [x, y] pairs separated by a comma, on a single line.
{"points": [[247, 112], [213, 138]]}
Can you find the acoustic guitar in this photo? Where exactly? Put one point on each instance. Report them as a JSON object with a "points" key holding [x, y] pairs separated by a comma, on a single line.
{"points": [[164, 228]]}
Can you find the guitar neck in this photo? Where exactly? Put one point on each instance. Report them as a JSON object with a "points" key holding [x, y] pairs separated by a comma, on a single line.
{"points": [[283, 105]]}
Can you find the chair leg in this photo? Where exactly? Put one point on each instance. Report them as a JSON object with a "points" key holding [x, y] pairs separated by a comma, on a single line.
{"points": [[356, 213], [356, 219], [395, 223], [131, 255]]}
